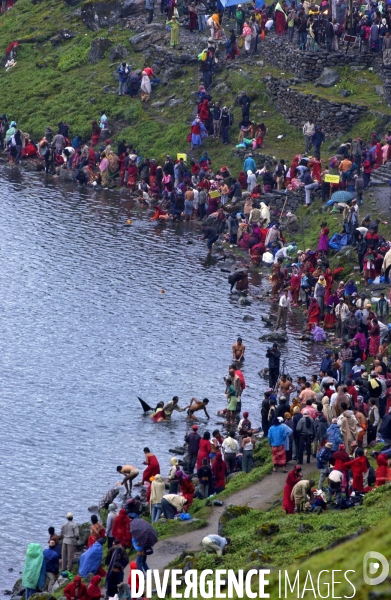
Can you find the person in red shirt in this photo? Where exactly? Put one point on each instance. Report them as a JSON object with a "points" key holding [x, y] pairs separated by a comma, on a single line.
{"points": [[358, 466], [352, 391], [94, 591], [76, 590]]}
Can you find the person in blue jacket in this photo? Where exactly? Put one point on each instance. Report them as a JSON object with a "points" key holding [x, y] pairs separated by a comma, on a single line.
{"points": [[276, 438], [249, 164], [52, 560]]}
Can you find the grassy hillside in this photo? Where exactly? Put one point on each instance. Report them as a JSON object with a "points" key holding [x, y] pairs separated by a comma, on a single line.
{"points": [[55, 82]]}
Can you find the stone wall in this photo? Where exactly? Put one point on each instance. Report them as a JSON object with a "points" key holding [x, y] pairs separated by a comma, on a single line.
{"points": [[286, 56], [297, 107]]}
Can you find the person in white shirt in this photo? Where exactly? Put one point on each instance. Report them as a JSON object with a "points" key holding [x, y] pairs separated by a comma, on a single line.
{"points": [[308, 132], [284, 306], [230, 448], [215, 543], [341, 312]]}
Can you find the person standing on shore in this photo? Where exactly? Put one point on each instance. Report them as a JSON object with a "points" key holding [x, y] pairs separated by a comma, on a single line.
{"points": [[109, 525], [52, 562], [192, 440], [70, 534], [33, 576]]}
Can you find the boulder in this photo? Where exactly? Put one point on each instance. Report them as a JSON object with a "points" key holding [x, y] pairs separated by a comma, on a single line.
{"points": [[258, 556], [231, 512], [62, 36], [175, 102], [248, 318], [328, 78], [43, 596], [18, 589], [268, 529], [276, 336], [305, 528], [243, 301], [379, 89], [118, 52], [98, 49], [84, 532], [149, 37], [96, 14], [345, 93]]}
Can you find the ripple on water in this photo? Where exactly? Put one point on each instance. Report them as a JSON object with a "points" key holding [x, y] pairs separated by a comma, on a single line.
{"points": [[85, 330]]}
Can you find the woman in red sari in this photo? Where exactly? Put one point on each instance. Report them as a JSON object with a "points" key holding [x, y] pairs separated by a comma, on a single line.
{"points": [[132, 176], [292, 478], [205, 448], [153, 467], [220, 470], [295, 285], [374, 337], [187, 489], [358, 466], [203, 111], [382, 470], [121, 531], [328, 275], [242, 180], [95, 135], [314, 314]]}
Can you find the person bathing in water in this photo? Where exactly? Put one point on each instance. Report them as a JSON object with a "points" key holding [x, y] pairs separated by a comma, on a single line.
{"points": [[196, 405], [238, 350]]}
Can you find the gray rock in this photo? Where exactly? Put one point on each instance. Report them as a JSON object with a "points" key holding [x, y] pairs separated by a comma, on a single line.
{"points": [[248, 318], [328, 78], [106, 13], [175, 102], [149, 37], [231, 512], [243, 301], [305, 528], [98, 49], [18, 589], [118, 52], [276, 336], [84, 532], [345, 93], [379, 89], [43, 596]]}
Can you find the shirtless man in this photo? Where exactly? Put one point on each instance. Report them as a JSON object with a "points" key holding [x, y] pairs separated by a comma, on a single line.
{"points": [[129, 474], [197, 405], [238, 350], [173, 405], [285, 387]]}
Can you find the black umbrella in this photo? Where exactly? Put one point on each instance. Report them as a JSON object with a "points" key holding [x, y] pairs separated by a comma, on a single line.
{"points": [[143, 532]]}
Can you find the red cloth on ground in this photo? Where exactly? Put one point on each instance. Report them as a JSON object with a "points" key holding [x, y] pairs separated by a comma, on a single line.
{"points": [[152, 469]]}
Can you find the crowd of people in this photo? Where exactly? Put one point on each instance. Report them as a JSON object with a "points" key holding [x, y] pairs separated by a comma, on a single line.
{"points": [[335, 417]]}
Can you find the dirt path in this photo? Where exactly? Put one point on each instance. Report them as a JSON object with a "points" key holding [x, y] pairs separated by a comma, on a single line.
{"points": [[260, 495]]}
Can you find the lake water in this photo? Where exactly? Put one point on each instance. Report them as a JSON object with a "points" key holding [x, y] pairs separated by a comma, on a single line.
{"points": [[85, 329]]}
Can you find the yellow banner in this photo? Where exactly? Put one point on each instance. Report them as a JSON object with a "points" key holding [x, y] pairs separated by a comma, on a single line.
{"points": [[179, 156], [215, 194], [331, 178]]}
